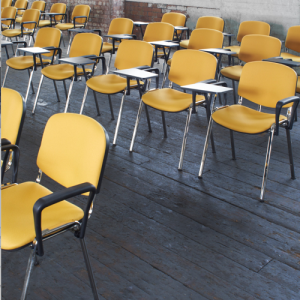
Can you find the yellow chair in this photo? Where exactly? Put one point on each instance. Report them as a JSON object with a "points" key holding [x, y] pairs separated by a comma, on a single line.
{"points": [[84, 44], [31, 213], [267, 84], [8, 13], [48, 38], [59, 8], [40, 5], [253, 47], [292, 42], [29, 23], [13, 109], [6, 3], [21, 6], [207, 22], [131, 54], [175, 19], [298, 86], [188, 67]]}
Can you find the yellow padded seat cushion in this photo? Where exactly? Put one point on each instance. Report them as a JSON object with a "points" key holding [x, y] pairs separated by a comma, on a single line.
{"points": [[286, 55], [62, 71], [66, 26], [24, 62], [106, 47], [298, 85], [14, 32], [169, 100], [17, 224], [184, 44], [244, 119], [19, 19], [43, 23], [233, 72], [234, 48]]}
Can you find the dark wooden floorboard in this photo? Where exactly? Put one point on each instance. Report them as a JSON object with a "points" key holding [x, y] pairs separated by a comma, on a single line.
{"points": [[157, 233]]}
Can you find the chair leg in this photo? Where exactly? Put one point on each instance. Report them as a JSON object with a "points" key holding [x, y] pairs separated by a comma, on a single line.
{"points": [[69, 94], [209, 128], [232, 145], [119, 118], [37, 94], [148, 118], [138, 117], [89, 269], [56, 91], [213, 149], [32, 88], [108, 65], [111, 108], [96, 102], [83, 99], [184, 139], [5, 75], [65, 88], [289, 142], [267, 162], [62, 38], [165, 76], [234, 92], [28, 87], [164, 124], [70, 40]]}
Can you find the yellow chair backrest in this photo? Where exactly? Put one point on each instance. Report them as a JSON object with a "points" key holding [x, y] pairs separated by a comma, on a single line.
{"points": [[86, 44], [40, 5], [253, 27], [120, 26], [6, 3], [12, 111], [210, 23], [8, 12], [81, 10], [258, 47], [132, 54], [293, 38], [159, 32], [31, 15], [21, 4], [48, 37], [266, 83], [203, 38], [176, 19], [191, 66], [72, 150], [59, 8]]}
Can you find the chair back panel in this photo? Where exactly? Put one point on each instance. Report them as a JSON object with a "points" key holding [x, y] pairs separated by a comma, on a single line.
{"points": [[40, 5], [48, 37], [120, 26], [191, 66], [8, 12], [12, 110], [175, 19], [59, 8], [86, 44], [258, 47], [210, 23], [6, 3], [203, 38], [253, 27], [72, 150], [265, 83], [293, 38], [159, 32], [21, 4], [31, 15], [81, 10], [132, 54]]}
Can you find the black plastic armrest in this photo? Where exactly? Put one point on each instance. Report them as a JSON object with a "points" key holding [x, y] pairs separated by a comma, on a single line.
{"points": [[29, 22], [279, 106], [56, 197], [79, 17], [55, 50], [93, 57], [153, 70], [6, 146], [20, 42]]}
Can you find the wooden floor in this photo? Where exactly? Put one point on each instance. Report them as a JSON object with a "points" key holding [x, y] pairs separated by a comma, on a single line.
{"points": [[157, 233]]}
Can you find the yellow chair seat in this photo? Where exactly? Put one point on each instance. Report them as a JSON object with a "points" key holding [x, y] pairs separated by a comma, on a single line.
{"points": [[17, 224], [244, 119], [234, 48], [169, 100], [286, 55], [169, 62], [298, 85], [15, 32], [19, 19], [107, 47], [233, 72], [62, 71], [43, 23], [184, 44], [24, 62], [66, 26]]}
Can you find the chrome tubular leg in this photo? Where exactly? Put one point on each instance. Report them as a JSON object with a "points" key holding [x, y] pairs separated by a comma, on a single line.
{"points": [[83, 99], [164, 124], [213, 149], [267, 162], [205, 147], [96, 102], [165, 76], [232, 145], [148, 118], [32, 88], [163, 66], [37, 94], [65, 88], [5, 75], [70, 40], [289, 142], [111, 108], [108, 65], [89, 269], [62, 38], [119, 119], [56, 91], [138, 117], [234, 92], [184, 139], [69, 94], [28, 87]]}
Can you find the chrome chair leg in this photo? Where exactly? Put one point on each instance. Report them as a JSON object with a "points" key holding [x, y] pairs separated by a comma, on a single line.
{"points": [[209, 128], [111, 108], [108, 65], [56, 91], [65, 88], [165, 77], [5, 75], [164, 124], [119, 118], [89, 269], [234, 92], [188, 119], [96, 102], [138, 117], [83, 99], [37, 94], [32, 88], [70, 40], [62, 38], [69, 94], [232, 145], [267, 162], [28, 87], [289, 142]]}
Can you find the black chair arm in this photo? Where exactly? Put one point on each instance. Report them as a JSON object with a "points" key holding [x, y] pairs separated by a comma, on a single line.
{"points": [[6, 146], [20, 42], [5, 142], [56, 197], [79, 17], [153, 70], [55, 50], [28, 22]]}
